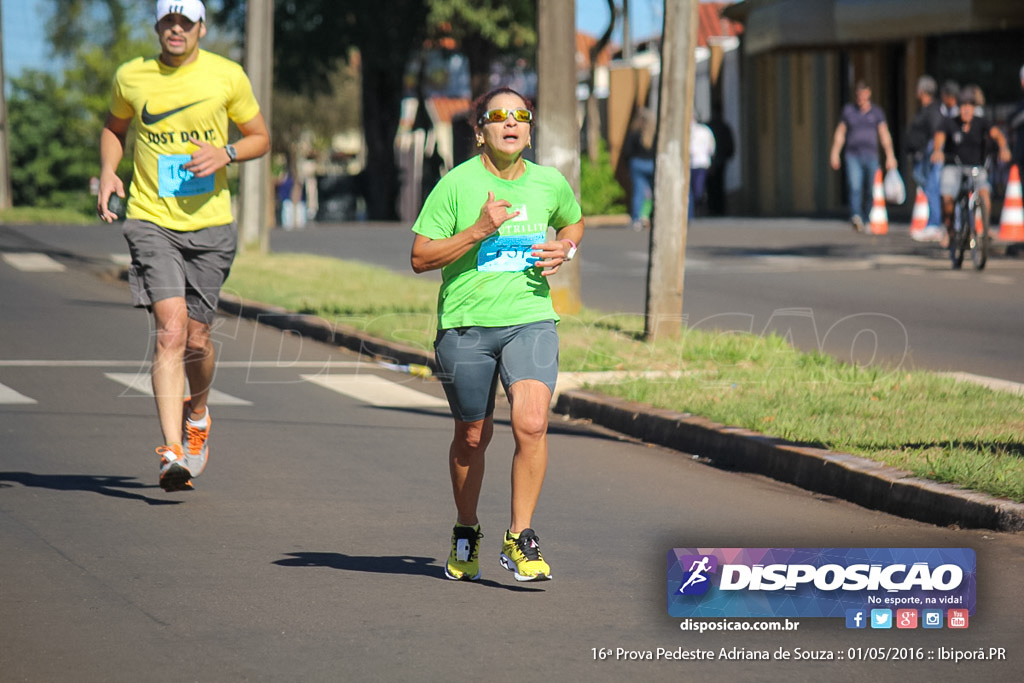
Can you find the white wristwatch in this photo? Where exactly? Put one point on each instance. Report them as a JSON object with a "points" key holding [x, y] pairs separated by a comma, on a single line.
{"points": [[572, 250], [232, 153]]}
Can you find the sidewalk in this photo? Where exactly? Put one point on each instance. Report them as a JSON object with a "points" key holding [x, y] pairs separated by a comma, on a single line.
{"points": [[840, 475]]}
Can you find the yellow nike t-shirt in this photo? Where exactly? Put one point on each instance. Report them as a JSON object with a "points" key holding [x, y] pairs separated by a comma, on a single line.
{"points": [[170, 105]]}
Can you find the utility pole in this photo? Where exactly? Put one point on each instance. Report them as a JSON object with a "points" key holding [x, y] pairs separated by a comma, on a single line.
{"points": [[255, 205], [558, 136], [5, 157], [627, 37], [664, 313]]}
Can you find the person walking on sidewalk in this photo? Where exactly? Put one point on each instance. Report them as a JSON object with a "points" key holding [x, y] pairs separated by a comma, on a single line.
{"points": [[919, 141], [638, 150], [948, 96], [485, 225], [179, 226], [861, 128], [702, 151]]}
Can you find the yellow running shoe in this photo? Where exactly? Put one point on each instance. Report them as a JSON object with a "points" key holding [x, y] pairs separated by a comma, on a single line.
{"points": [[521, 555], [464, 561]]}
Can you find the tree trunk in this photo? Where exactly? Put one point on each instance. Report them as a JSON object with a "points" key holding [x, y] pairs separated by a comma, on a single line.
{"points": [[381, 110]]}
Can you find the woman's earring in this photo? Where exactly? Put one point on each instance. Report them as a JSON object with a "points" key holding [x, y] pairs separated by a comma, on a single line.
{"points": [[529, 143], [479, 140]]}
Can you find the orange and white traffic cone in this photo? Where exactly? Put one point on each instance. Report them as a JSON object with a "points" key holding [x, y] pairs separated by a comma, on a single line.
{"points": [[919, 219], [879, 217], [1011, 225]]}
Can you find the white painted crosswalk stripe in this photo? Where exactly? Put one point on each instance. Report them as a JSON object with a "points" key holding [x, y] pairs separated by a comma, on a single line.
{"points": [[377, 391], [9, 396], [141, 383], [367, 388], [33, 262]]}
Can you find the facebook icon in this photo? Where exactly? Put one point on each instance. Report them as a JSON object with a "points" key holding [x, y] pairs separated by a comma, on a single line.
{"points": [[856, 618]]}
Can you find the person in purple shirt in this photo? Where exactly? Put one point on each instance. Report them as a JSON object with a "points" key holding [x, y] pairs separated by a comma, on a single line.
{"points": [[861, 127]]}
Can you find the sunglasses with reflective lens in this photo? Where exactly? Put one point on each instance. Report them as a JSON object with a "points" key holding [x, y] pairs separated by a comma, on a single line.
{"points": [[169, 20], [500, 115]]}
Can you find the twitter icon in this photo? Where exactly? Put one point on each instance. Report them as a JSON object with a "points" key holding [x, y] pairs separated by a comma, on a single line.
{"points": [[881, 618]]}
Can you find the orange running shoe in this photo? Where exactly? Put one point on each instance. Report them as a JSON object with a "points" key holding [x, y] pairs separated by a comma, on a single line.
{"points": [[197, 450]]}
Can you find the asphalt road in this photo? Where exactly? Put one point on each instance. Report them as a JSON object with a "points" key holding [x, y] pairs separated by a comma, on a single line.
{"points": [[312, 549]]}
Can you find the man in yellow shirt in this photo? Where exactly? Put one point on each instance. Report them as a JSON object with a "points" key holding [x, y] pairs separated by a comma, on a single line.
{"points": [[179, 225]]}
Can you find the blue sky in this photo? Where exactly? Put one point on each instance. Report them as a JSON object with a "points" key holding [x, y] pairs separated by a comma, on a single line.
{"points": [[24, 44], [645, 17]]}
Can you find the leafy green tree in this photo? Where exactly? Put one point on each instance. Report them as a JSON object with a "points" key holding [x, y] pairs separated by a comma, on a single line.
{"points": [[311, 37], [600, 192], [105, 24], [55, 118], [50, 165], [485, 30], [321, 115]]}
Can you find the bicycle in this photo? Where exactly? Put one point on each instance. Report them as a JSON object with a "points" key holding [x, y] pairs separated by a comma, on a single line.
{"points": [[970, 221]]}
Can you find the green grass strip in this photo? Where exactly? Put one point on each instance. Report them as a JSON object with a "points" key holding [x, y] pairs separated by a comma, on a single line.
{"points": [[931, 426]]}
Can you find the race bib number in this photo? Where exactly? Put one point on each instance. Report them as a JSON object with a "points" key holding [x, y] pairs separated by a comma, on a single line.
{"points": [[175, 181], [508, 253]]}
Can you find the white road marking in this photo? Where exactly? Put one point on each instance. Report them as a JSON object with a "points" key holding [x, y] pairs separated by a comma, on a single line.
{"points": [[377, 391], [34, 262], [141, 383], [9, 396], [299, 365]]}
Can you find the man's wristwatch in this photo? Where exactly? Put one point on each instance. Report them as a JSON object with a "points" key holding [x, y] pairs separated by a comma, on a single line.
{"points": [[572, 250], [232, 153]]}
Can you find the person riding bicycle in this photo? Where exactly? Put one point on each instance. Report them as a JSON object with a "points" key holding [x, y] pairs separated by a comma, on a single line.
{"points": [[962, 141]]}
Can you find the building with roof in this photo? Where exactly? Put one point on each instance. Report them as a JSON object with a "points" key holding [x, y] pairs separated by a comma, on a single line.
{"points": [[628, 83], [801, 58]]}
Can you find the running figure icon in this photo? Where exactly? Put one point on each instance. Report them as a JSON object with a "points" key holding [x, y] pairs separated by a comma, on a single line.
{"points": [[697, 570]]}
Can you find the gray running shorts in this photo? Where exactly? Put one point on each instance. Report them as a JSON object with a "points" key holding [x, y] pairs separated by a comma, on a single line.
{"points": [[949, 180], [470, 360], [173, 263]]}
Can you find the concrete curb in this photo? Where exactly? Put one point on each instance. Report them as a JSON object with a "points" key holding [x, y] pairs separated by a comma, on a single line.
{"points": [[317, 328], [840, 475], [848, 477]]}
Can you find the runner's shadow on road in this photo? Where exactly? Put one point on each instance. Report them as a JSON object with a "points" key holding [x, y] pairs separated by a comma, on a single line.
{"points": [[389, 564], [115, 487]]}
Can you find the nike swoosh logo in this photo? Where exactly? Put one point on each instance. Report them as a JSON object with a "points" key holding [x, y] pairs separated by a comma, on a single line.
{"points": [[149, 119]]}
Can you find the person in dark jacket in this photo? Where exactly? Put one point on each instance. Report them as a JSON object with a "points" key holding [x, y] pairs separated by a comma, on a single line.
{"points": [[919, 142]]}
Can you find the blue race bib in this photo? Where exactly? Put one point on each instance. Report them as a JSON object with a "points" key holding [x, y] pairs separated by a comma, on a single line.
{"points": [[509, 253], [175, 181]]}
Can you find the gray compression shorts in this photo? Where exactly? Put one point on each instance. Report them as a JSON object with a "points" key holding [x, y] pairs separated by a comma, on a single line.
{"points": [[173, 263], [470, 360]]}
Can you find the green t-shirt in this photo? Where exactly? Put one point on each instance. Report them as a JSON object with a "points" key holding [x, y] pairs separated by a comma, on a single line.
{"points": [[494, 283]]}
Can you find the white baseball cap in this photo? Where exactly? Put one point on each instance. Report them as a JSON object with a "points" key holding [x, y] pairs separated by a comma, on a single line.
{"points": [[194, 10]]}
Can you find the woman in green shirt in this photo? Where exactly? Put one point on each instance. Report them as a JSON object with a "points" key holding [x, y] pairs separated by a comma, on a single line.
{"points": [[485, 225]]}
